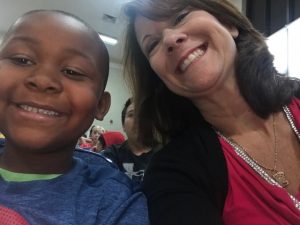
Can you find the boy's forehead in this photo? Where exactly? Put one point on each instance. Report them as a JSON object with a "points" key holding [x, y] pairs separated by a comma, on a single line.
{"points": [[48, 19], [50, 27]]}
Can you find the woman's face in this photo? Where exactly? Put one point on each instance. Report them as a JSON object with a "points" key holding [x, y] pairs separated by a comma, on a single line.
{"points": [[96, 132], [192, 52]]}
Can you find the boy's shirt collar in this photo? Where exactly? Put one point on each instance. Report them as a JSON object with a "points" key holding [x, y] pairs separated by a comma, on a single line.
{"points": [[23, 177]]}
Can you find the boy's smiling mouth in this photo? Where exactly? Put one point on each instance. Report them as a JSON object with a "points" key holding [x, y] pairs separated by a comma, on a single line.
{"points": [[39, 110]]}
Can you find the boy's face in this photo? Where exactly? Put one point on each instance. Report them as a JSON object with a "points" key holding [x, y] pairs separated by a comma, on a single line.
{"points": [[51, 82]]}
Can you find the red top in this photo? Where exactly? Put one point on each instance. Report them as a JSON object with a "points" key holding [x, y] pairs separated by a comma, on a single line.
{"points": [[112, 138], [251, 200], [86, 145]]}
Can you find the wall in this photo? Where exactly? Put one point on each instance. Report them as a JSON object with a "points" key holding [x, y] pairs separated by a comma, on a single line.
{"points": [[268, 16], [238, 4], [1, 36], [119, 94]]}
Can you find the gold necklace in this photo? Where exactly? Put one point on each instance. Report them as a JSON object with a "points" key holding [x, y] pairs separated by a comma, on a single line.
{"points": [[278, 176]]}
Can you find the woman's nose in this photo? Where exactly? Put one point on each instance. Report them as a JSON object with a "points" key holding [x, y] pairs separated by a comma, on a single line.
{"points": [[173, 39], [44, 80]]}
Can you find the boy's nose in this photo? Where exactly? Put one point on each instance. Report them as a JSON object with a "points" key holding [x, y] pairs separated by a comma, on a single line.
{"points": [[44, 81], [173, 39]]}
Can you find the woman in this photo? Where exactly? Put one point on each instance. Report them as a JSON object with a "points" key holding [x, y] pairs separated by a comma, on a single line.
{"points": [[204, 82], [91, 143]]}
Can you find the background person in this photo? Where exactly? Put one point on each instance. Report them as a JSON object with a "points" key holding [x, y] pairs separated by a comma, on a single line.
{"points": [[131, 156], [91, 142], [108, 139], [2, 139], [204, 80]]}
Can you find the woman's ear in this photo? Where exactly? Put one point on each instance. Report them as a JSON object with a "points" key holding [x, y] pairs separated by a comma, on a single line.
{"points": [[103, 106]]}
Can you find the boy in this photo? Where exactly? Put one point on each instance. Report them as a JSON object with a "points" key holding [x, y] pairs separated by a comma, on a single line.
{"points": [[53, 71]]}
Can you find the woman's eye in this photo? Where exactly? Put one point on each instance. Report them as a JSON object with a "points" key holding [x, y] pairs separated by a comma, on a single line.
{"points": [[21, 61], [130, 115], [180, 17], [151, 46]]}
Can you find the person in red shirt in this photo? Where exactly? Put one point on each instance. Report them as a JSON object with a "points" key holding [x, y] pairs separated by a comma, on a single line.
{"points": [[91, 142], [108, 139]]}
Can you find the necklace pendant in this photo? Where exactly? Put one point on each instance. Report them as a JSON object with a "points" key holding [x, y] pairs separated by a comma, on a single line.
{"points": [[281, 179]]}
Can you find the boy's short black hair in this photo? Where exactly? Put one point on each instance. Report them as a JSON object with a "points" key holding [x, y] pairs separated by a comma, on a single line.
{"points": [[127, 104]]}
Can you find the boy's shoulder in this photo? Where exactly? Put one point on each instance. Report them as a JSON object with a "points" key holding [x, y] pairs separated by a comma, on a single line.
{"points": [[98, 169], [90, 157], [100, 193], [93, 160], [118, 195]]}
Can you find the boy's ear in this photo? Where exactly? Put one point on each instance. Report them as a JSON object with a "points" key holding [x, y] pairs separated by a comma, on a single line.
{"points": [[103, 106]]}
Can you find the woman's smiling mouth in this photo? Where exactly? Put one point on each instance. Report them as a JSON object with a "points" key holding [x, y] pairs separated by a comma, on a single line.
{"points": [[196, 54]]}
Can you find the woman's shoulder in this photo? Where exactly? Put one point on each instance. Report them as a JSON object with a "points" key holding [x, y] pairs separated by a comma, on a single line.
{"points": [[192, 162], [198, 140], [191, 150]]}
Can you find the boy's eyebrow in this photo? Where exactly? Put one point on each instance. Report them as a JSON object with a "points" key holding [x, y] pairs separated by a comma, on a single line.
{"points": [[69, 50], [24, 38]]}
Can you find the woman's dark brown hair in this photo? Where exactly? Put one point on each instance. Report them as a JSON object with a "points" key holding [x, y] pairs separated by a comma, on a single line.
{"points": [[163, 113]]}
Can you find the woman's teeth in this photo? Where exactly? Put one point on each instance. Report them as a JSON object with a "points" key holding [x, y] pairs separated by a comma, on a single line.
{"points": [[191, 57]]}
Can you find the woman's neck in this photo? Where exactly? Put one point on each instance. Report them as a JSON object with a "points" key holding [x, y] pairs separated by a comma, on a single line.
{"points": [[230, 115]]}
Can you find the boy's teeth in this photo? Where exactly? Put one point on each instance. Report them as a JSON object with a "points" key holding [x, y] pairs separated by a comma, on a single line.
{"points": [[191, 57], [39, 111]]}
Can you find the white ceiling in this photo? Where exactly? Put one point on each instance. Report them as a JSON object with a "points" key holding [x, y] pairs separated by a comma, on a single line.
{"points": [[91, 11]]}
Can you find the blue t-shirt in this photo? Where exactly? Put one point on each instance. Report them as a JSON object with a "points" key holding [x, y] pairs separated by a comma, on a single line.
{"points": [[92, 192]]}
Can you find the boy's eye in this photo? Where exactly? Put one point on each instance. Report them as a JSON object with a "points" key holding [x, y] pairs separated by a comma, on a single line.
{"points": [[73, 73], [20, 60], [180, 17]]}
